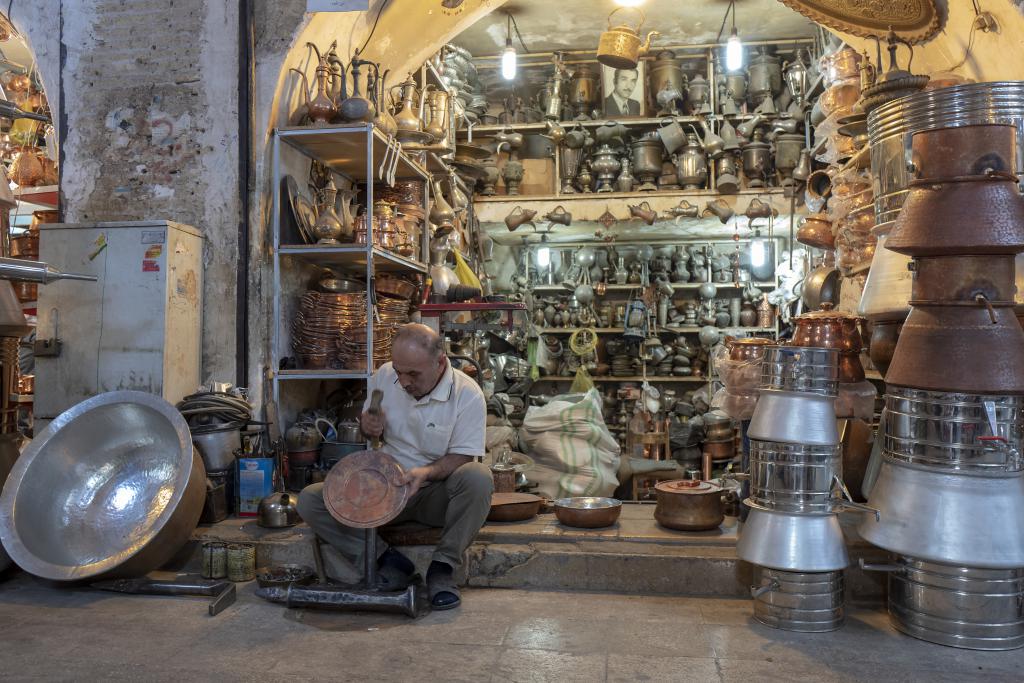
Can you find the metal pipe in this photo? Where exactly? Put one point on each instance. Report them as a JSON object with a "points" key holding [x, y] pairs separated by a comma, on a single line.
{"points": [[246, 124], [343, 599], [36, 271]]}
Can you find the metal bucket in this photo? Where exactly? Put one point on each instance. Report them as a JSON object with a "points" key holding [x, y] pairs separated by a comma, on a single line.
{"points": [[794, 477], [218, 446], [801, 368], [977, 609], [811, 602], [949, 430]]}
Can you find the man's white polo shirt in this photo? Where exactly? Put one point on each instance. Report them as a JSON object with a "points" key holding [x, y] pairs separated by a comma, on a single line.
{"points": [[450, 419]]}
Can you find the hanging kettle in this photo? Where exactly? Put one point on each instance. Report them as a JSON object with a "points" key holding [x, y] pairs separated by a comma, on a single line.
{"points": [[619, 46]]}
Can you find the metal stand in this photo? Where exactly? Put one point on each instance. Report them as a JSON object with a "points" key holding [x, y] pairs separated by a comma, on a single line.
{"points": [[366, 597]]}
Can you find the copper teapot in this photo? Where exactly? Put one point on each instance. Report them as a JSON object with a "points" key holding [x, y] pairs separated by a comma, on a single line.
{"points": [[619, 46]]}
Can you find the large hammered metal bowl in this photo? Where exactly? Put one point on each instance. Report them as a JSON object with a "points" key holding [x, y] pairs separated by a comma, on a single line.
{"points": [[112, 488]]}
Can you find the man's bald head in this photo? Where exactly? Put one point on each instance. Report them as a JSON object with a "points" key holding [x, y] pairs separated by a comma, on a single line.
{"points": [[417, 356]]}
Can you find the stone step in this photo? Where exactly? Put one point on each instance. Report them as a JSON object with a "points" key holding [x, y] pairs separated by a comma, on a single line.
{"points": [[634, 556]]}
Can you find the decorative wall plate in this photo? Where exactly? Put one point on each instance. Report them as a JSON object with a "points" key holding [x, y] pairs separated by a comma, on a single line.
{"points": [[912, 20]]}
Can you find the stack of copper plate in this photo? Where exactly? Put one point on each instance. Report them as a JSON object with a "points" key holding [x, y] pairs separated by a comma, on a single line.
{"points": [[320, 322], [404, 192], [352, 346], [392, 311]]}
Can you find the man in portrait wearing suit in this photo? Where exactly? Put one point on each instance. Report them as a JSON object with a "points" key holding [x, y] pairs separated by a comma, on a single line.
{"points": [[619, 102]]}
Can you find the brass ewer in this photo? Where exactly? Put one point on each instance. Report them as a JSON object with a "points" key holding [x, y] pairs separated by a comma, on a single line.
{"points": [[620, 46]]}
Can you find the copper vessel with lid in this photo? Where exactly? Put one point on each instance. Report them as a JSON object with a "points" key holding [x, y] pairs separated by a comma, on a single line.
{"points": [[828, 329], [688, 505]]}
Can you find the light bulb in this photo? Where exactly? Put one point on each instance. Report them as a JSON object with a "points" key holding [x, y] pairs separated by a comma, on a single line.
{"points": [[734, 53], [543, 257], [508, 61], [758, 254]]}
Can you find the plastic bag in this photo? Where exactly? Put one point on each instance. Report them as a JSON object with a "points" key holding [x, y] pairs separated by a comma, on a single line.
{"points": [[574, 453], [464, 272]]}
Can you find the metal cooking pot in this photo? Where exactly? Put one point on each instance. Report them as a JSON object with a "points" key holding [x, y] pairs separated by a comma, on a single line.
{"points": [[821, 285], [278, 510], [217, 446], [349, 432], [111, 488], [688, 505]]}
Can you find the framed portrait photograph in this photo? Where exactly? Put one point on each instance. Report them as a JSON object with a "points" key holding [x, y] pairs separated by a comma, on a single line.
{"points": [[622, 92]]}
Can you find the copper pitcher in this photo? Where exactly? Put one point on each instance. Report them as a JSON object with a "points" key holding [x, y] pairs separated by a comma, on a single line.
{"points": [[320, 108], [519, 217], [644, 212], [558, 215], [619, 46]]}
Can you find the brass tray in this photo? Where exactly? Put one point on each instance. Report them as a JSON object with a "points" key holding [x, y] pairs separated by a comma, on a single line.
{"points": [[912, 20]]}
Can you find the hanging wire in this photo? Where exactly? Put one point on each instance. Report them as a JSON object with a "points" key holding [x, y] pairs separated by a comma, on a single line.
{"points": [[374, 28], [732, 8], [516, 27]]}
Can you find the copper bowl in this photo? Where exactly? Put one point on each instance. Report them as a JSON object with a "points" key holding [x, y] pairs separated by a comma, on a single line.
{"points": [[816, 232], [396, 287], [25, 246], [720, 450], [587, 512], [513, 507]]}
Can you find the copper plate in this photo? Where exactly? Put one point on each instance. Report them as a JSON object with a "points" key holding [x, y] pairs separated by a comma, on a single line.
{"points": [[362, 490], [912, 20]]}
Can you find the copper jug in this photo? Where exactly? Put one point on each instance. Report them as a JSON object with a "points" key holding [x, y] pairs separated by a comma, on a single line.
{"points": [[320, 108], [644, 212], [619, 46], [519, 217]]}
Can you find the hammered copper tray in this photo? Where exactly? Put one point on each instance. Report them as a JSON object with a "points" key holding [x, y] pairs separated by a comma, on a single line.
{"points": [[362, 490]]}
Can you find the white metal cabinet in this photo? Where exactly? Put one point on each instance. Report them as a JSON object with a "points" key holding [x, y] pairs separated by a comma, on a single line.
{"points": [[138, 327]]}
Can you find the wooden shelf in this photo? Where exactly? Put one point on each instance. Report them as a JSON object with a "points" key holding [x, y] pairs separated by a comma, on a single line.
{"points": [[351, 256], [344, 149]]}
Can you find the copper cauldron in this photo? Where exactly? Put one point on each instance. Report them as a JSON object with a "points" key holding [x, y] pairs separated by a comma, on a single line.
{"points": [[828, 329]]}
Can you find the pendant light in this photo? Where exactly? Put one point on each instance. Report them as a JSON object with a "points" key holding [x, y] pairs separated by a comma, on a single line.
{"points": [[508, 55], [733, 48]]}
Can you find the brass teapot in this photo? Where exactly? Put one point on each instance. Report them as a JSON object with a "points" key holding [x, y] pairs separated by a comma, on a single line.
{"points": [[619, 46]]}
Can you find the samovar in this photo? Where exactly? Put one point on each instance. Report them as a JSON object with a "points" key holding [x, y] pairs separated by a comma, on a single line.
{"points": [[584, 91], [646, 153], [757, 160], [691, 164], [765, 77], [606, 165], [665, 74], [787, 155]]}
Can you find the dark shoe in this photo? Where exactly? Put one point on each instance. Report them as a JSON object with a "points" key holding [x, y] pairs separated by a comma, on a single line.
{"points": [[444, 594], [395, 571]]}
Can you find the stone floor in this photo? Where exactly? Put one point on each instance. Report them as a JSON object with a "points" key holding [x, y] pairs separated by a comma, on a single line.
{"points": [[497, 635]]}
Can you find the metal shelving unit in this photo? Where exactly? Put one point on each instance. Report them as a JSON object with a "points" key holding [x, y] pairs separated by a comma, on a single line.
{"points": [[352, 152]]}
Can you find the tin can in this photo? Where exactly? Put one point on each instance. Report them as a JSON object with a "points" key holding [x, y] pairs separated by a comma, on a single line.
{"points": [[241, 561], [215, 560]]}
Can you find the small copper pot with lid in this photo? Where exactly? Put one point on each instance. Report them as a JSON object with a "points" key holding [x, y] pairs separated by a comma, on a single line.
{"points": [[688, 505]]}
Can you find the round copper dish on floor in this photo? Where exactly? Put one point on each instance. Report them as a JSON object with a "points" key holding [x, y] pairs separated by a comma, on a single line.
{"points": [[363, 490]]}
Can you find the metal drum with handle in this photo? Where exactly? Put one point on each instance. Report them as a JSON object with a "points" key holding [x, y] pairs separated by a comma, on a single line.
{"points": [[811, 602]]}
